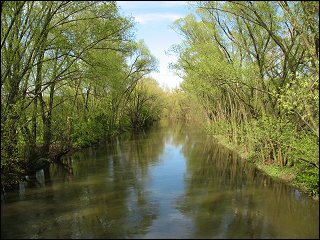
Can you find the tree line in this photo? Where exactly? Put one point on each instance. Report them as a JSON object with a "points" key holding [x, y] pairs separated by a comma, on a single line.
{"points": [[253, 70], [72, 73]]}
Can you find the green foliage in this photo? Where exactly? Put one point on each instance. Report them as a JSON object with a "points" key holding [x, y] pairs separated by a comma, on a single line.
{"points": [[87, 133], [277, 148], [68, 71], [255, 75], [273, 137], [221, 128], [180, 106], [309, 178], [301, 96], [145, 104]]}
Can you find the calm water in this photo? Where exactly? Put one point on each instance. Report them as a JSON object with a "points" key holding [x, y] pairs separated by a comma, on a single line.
{"points": [[164, 183]]}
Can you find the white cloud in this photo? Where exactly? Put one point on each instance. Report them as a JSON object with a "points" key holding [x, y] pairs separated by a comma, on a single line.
{"points": [[152, 17], [158, 35]]}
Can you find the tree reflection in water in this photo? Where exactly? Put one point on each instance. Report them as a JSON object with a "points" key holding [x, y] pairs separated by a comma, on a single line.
{"points": [[167, 183], [228, 198], [125, 207]]}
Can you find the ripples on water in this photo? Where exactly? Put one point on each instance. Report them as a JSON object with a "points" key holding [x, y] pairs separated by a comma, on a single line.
{"points": [[164, 183]]}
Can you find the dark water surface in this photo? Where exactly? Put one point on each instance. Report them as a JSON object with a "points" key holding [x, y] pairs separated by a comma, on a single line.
{"points": [[169, 182]]}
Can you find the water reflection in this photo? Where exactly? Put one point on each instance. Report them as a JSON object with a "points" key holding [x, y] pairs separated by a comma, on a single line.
{"points": [[164, 183], [228, 198], [97, 193]]}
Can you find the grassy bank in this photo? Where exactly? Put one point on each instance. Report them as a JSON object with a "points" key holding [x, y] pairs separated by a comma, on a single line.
{"points": [[301, 175]]}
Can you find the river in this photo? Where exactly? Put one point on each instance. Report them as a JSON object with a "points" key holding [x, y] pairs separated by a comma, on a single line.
{"points": [[166, 182]]}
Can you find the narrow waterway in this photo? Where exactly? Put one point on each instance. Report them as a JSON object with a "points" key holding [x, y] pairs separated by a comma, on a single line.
{"points": [[168, 182]]}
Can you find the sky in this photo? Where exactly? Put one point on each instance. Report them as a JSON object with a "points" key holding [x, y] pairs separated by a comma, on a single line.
{"points": [[153, 21]]}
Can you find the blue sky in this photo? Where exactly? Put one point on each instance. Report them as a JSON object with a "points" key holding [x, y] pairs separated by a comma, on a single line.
{"points": [[153, 25]]}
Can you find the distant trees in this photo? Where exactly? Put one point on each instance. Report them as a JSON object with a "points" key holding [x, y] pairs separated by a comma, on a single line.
{"points": [[145, 104]]}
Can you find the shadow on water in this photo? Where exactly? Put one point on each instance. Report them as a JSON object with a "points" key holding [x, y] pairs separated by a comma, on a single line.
{"points": [[166, 182]]}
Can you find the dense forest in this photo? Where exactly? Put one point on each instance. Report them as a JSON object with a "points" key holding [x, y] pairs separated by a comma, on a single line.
{"points": [[73, 74]]}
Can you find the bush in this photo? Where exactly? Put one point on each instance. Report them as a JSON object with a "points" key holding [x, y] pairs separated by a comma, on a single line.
{"points": [[309, 178], [91, 131], [273, 139]]}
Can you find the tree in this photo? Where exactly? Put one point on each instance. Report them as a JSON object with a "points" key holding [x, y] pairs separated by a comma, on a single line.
{"points": [[63, 61]]}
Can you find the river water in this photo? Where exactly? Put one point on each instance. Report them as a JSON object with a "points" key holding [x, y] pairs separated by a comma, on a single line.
{"points": [[167, 182]]}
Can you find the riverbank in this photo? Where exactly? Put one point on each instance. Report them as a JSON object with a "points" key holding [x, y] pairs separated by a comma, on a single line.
{"points": [[288, 175], [56, 155], [163, 178]]}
